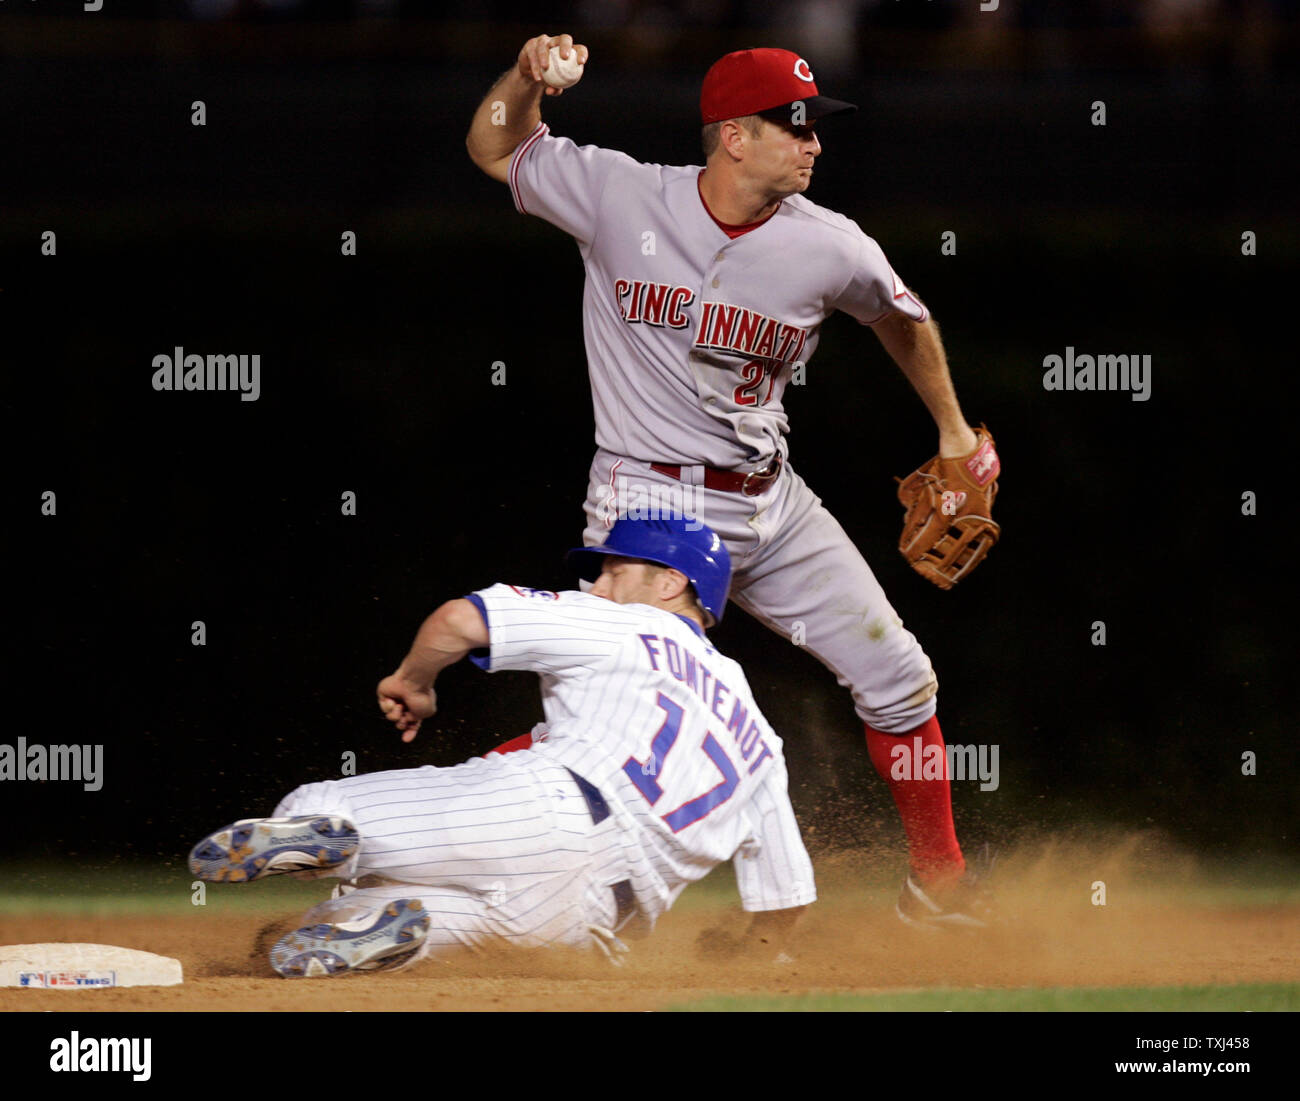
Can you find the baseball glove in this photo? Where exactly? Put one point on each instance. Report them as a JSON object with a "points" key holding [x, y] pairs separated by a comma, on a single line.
{"points": [[948, 524]]}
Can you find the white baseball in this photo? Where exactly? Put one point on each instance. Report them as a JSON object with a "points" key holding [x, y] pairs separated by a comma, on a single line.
{"points": [[562, 72]]}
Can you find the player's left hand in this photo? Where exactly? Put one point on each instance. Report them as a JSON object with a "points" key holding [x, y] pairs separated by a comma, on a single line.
{"points": [[948, 524], [406, 706]]}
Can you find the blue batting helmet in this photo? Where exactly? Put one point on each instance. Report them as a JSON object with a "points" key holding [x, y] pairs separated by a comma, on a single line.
{"points": [[691, 548]]}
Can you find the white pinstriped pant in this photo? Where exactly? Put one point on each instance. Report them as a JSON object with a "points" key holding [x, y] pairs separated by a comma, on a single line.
{"points": [[501, 848]]}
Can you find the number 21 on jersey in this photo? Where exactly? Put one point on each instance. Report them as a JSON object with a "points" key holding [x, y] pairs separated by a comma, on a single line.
{"points": [[753, 373], [645, 775]]}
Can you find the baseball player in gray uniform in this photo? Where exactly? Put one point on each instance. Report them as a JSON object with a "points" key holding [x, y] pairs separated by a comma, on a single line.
{"points": [[656, 767], [706, 287]]}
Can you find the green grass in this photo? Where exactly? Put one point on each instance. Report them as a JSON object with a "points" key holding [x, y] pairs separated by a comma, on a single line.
{"points": [[101, 890], [1257, 998]]}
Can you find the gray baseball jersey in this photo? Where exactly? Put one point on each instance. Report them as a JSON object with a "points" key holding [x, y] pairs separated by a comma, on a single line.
{"points": [[642, 707], [692, 336], [691, 339]]}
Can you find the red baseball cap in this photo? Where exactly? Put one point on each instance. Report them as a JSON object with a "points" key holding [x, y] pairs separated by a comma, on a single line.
{"points": [[751, 82]]}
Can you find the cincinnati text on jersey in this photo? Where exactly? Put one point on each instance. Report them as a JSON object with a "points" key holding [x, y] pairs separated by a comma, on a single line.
{"points": [[728, 328], [723, 326], [653, 303]]}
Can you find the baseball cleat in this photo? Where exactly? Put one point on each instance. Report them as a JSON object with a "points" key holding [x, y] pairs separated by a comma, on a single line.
{"points": [[965, 904], [254, 848], [383, 943]]}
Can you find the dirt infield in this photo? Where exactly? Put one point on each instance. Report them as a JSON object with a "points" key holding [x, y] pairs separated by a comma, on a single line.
{"points": [[1149, 933]]}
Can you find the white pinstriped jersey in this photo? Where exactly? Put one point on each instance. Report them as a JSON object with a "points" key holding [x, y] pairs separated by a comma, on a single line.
{"points": [[640, 705], [691, 335]]}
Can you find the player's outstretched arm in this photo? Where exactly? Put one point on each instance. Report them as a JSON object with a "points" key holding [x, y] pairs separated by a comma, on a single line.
{"points": [[918, 351], [406, 697], [512, 109]]}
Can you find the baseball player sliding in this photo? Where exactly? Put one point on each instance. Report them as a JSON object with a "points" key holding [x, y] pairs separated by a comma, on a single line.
{"points": [[657, 766], [705, 291]]}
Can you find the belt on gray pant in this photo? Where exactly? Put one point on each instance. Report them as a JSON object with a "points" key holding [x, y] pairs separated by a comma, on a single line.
{"points": [[750, 484], [623, 896]]}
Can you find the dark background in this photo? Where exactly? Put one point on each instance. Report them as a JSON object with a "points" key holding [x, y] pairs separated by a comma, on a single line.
{"points": [[376, 378]]}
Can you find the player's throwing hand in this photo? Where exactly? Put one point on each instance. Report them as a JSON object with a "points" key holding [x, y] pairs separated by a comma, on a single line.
{"points": [[405, 706], [534, 58]]}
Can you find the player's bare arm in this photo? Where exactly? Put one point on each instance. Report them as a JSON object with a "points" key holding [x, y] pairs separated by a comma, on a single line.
{"points": [[512, 109], [406, 697], [918, 350]]}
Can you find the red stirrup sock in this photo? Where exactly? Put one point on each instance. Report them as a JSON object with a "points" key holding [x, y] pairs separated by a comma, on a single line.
{"points": [[925, 806]]}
